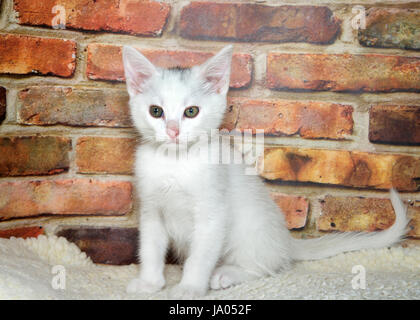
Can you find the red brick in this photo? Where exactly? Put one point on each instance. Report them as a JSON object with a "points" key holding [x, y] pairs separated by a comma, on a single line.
{"points": [[146, 18], [47, 105], [362, 214], [343, 72], [285, 118], [394, 124], [105, 155], [294, 208], [115, 246], [20, 199], [24, 232], [2, 104], [340, 167], [34, 55], [255, 22], [391, 28], [100, 55], [32, 155]]}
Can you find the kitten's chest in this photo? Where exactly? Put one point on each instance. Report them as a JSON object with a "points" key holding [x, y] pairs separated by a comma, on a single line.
{"points": [[168, 177], [172, 186]]}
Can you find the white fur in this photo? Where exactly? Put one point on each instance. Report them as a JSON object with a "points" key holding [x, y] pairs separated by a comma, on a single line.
{"points": [[221, 222]]}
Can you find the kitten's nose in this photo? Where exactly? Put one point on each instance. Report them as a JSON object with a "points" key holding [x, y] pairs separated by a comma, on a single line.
{"points": [[172, 129]]}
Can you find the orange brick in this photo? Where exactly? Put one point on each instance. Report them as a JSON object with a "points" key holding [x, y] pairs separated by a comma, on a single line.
{"points": [[355, 214], [146, 18], [21, 199], [414, 214], [100, 55], [362, 214], [343, 72], [231, 115], [294, 208], [105, 155], [45, 56], [31, 155], [340, 167], [285, 118]]}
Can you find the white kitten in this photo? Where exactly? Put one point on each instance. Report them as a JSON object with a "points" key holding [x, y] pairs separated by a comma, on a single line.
{"points": [[220, 220]]}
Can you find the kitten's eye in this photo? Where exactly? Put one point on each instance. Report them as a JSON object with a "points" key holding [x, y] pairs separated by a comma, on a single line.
{"points": [[191, 112], [156, 111]]}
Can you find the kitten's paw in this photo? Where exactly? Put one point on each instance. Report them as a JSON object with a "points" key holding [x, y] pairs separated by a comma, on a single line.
{"points": [[186, 292], [221, 280], [138, 285]]}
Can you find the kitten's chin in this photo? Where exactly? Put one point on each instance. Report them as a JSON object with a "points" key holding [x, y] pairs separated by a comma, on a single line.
{"points": [[173, 141], [178, 141], [169, 141]]}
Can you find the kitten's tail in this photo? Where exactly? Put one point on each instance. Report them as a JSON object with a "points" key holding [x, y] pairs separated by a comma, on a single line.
{"points": [[329, 245]]}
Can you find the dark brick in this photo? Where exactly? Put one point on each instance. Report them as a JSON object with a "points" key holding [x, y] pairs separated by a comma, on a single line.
{"points": [[47, 105], [116, 246], [255, 22], [32, 155], [2, 104], [391, 28], [394, 124]]}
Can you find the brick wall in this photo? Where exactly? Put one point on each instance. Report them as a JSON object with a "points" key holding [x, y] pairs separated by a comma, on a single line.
{"points": [[340, 107]]}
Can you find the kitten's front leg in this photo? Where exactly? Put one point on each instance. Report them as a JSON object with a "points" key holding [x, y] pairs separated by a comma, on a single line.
{"points": [[153, 246], [205, 251]]}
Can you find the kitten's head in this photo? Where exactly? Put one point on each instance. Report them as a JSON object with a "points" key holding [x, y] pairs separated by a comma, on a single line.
{"points": [[176, 105]]}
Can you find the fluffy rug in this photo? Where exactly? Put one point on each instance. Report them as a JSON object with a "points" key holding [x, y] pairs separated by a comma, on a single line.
{"points": [[26, 272]]}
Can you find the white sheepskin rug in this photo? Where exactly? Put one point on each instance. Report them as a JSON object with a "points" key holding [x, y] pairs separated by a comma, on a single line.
{"points": [[26, 272]]}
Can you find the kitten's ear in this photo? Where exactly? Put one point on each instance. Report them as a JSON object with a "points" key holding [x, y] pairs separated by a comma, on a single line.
{"points": [[137, 70], [216, 71]]}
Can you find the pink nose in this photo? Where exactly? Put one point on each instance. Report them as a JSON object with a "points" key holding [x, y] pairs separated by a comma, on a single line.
{"points": [[172, 129]]}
